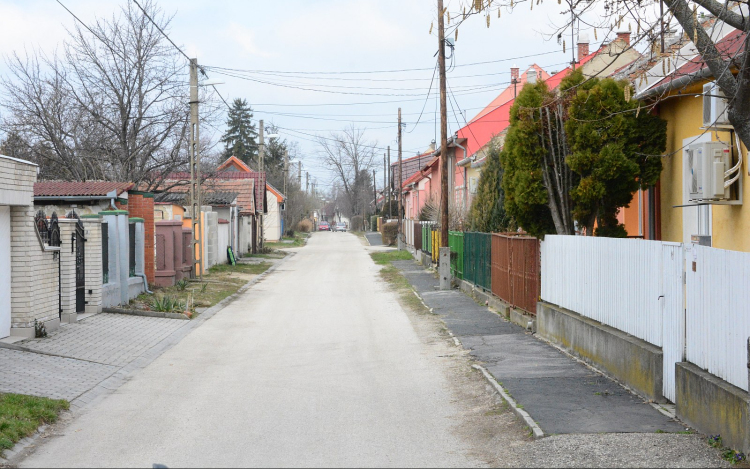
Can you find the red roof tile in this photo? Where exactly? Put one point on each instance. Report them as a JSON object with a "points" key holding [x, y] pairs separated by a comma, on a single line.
{"points": [[727, 47], [80, 189]]}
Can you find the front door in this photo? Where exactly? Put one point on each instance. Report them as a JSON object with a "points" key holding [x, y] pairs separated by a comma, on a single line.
{"points": [[4, 271], [80, 269]]}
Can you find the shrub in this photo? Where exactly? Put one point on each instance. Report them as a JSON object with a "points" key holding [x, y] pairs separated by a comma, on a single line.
{"points": [[289, 233], [305, 226], [390, 232], [357, 223], [373, 223]]}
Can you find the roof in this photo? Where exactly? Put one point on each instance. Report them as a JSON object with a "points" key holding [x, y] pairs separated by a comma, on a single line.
{"points": [[419, 175], [94, 189], [176, 198], [478, 133], [508, 93], [409, 166], [234, 164], [279, 196], [242, 189], [727, 47], [219, 197]]}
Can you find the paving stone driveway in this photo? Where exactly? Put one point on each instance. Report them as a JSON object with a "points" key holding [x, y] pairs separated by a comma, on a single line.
{"points": [[77, 357]]}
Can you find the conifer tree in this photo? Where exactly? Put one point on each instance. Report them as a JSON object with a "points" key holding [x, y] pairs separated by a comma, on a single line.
{"points": [[240, 137]]}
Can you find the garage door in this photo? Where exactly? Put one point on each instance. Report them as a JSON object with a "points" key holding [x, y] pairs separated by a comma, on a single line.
{"points": [[4, 271]]}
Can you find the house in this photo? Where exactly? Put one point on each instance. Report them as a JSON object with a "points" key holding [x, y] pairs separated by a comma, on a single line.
{"points": [[234, 169], [273, 221], [418, 190], [682, 213], [121, 222]]}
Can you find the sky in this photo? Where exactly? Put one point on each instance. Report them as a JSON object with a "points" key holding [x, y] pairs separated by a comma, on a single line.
{"points": [[314, 67]]}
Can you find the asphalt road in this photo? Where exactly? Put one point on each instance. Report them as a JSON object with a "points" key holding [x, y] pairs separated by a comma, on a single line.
{"points": [[317, 365]]}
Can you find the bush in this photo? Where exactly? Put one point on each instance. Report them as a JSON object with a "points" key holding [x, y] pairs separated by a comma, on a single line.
{"points": [[373, 223], [289, 233], [389, 233], [305, 226], [357, 223]]}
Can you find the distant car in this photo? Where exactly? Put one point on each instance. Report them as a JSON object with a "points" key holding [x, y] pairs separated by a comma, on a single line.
{"points": [[324, 226], [341, 227]]}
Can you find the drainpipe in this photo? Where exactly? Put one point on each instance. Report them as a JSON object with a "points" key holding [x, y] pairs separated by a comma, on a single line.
{"points": [[145, 282]]}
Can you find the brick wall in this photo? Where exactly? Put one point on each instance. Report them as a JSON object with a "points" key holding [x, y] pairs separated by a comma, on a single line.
{"points": [[93, 261], [141, 205], [34, 278], [16, 182]]}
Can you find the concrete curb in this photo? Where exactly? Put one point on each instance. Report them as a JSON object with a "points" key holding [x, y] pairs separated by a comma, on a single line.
{"points": [[109, 385], [538, 433], [148, 314]]}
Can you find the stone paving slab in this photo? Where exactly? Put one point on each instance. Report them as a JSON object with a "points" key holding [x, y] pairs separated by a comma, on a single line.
{"points": [[561, 394], [49, 376], [107, 338]]}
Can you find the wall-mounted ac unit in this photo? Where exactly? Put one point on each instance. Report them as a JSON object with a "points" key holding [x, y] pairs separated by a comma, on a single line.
{"points": [[707, 163], [714, 106], [473, 183]]}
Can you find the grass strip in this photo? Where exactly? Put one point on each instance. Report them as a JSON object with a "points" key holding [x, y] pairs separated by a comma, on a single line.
{"points": [[396, 279], [21, 415], [386, 257], [219, 282]]}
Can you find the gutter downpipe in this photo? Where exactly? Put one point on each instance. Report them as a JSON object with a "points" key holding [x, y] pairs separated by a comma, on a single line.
{"points": [[145, 282]]}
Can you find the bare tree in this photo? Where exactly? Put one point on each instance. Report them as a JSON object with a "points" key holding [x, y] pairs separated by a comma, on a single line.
{"points": [[726, 62], [351, 158], [113, 105]]}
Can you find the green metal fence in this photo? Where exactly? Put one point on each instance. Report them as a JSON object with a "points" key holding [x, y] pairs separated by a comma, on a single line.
{"points": [[427, 237], [456, 244], [478, 259]]}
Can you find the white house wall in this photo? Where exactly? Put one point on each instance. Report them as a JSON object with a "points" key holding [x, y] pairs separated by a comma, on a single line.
{"points": [[272, 220]]}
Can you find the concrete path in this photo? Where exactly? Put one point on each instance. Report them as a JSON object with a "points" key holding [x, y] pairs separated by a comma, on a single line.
{"points": [[560, 394], [318, 365], [374, 238]]}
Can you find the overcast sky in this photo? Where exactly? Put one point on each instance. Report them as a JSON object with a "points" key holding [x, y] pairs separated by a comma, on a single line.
{"points": [[339, 36]]}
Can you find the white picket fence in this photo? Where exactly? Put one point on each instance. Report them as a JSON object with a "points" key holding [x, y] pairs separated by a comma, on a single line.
{"points": [[408, 226], [613, 281], [637, 287], [718, 312]]}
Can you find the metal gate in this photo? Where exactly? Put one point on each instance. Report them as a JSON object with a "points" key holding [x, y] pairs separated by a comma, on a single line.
{"points": [[673, 314], [80, 252]]}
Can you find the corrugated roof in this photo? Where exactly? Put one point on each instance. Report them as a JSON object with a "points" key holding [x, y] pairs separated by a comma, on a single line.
{"points": [[79, 189]]}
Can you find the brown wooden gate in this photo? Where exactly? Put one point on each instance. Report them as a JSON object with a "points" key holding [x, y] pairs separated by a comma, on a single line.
{"points": [[516, 270]]}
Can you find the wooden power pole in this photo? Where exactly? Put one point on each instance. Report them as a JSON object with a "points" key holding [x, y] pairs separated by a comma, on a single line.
{"points": [[385, 184], [286, 169], [443, 132], [375, 191], [400, 174], [390, 183], [195, 170]]}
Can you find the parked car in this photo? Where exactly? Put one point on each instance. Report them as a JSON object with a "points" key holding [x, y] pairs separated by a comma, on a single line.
{"points": [[324, 226], [341, 227]]}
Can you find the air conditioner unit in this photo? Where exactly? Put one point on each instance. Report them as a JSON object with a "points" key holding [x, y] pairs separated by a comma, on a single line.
{"points": [[473, 183], [714, 107], [707, 163]]}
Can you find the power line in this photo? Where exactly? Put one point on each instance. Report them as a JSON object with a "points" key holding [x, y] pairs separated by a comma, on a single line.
{"points": [[161, 31], [376, 71]]}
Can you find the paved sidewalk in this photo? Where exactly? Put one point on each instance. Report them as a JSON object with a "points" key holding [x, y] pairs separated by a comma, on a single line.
{"points": [[374, 238], [561, 394], [77, 357]]}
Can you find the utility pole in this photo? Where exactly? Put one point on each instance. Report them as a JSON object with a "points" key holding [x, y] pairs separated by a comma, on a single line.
{"points": [[385, 176], [261, 147], [444, 267], [307, 182], [299, 175], [400, 176], [375, 191], [195, 169], [390, 183], [286, 168]]}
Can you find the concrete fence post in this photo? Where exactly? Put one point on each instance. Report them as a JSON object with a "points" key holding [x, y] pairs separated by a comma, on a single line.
{"points": [[444, 268]]}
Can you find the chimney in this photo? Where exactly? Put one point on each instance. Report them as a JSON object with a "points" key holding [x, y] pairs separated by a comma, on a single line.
{"points": [[432, 145], [514, 73], [624, 36], [583, 46]]}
